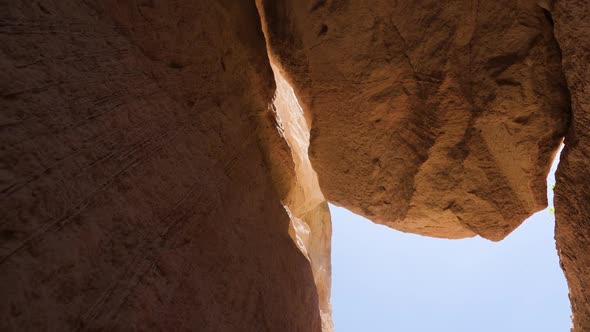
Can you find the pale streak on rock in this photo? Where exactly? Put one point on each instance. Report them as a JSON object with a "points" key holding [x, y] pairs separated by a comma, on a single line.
{"points": [[142, 174], [308, 210]]}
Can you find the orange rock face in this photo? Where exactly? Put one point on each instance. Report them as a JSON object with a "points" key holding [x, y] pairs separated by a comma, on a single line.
{"points": [[572, 191], [136, 194], [154, 177], [433, 117]]}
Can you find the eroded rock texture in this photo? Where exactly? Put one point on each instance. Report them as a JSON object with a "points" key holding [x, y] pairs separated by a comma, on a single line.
{"points": [[311, 227], [144, 184], [433, 117], [572, 192], [134, 192]]}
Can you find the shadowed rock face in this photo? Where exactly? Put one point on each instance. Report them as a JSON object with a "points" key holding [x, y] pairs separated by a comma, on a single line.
{"points": [[135, 181], [572, 191], [434, 117]]}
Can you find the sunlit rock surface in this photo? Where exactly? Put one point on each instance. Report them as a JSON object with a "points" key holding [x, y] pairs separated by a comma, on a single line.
{"points": [[433, 117], [153, 178], [310, 217]]}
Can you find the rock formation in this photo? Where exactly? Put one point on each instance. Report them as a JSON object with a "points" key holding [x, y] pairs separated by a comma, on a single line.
{"points": [[434, 117], [311, 227], [572, 191], [156, 175], [136, 188]]}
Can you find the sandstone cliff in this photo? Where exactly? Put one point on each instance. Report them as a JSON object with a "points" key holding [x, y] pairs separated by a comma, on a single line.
{"points": [[154, 177], [441, 118], [136, 194], [572, 191]]}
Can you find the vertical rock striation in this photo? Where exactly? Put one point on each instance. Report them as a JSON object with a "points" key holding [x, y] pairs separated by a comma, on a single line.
{"points": [[434, 117], [311, 226], [136, 146], [572, 191]]}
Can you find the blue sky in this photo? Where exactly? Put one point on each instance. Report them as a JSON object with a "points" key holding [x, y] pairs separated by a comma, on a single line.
{"points": [[385, 280]]}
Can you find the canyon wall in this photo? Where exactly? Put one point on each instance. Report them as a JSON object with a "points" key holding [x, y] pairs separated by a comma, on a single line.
{"points": [[572, 191], [154, 177], [137, 139], [311, 227]]}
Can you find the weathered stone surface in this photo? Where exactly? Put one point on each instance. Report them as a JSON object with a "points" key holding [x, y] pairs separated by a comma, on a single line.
{"points": [[311, 227], [572, 192], [134, 192], [433, 117], [144, 184]]}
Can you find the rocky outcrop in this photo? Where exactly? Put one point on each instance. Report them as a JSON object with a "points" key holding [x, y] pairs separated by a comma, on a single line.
{"points": [[136, 148], [434, 117], [572, 192]]}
